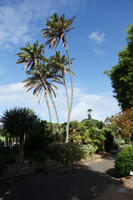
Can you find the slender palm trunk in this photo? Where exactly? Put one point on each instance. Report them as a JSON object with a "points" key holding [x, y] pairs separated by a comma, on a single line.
{"points": [[71, 102], [66, 92], [67, 129], [52, 103], [51, 126], [55, 110], [44, 85]]}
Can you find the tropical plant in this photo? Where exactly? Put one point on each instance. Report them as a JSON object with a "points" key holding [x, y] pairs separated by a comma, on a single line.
{"points": [[56, 29], [18, 122]]}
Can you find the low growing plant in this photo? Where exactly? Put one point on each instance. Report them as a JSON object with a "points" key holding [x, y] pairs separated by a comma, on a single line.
{"points": [[69, 153]]}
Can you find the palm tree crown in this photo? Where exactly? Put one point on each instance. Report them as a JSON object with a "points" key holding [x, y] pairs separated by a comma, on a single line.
{"points": [[41, 79], [56, 29], [30, 54]]}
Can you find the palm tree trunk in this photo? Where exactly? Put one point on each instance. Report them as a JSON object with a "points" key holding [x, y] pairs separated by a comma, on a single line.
{"points": [[47, 102], [67, 126], [66, 92], [51, 126], [55, 110], [71, 102]]}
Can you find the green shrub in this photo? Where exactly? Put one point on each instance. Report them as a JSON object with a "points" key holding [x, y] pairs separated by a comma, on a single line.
{"points": [[119, 141], [3, 150], [92, 149], [39, 168], [70, 152], [15, 149], [39, 156], [37, 142], [127, 140], [10, 158], [124, 161], [115, 146], [2, 163], [109, 140]]}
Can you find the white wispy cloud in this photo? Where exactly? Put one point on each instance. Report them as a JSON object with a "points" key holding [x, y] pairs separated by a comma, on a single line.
{"points": [[103, 105], [21, 21], [98, 51], [97, 37]]}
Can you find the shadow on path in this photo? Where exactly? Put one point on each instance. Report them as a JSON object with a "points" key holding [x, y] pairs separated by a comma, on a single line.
{"points": [[82, 183]]}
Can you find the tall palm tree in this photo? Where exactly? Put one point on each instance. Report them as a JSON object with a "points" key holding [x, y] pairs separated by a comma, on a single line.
{"points": [[30, 55], [57, 27], [41, 79]]}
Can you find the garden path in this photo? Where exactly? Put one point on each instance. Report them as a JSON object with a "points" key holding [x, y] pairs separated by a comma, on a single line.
{"points": [[94, 180]]}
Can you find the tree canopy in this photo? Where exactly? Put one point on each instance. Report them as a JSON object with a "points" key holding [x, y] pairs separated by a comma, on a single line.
{"points": [[121, 75]]}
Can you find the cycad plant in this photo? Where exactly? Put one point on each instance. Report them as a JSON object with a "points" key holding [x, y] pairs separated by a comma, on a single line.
{"points": [[56, 29]]}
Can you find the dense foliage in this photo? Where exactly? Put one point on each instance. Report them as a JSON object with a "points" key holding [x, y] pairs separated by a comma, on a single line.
{"points": [[121, 75], [17, 123], [124, 121], [124, 161], [68, 153]]}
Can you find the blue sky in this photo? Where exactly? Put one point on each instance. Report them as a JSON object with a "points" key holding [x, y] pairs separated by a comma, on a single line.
{"points": [[94, 44]]}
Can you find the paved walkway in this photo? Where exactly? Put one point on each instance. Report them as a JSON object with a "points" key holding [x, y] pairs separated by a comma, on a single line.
{"points": [[93, 181]]}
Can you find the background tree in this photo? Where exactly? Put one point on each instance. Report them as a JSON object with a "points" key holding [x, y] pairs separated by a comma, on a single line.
{"points": [[121, 77], [130, 39], [124, 121], [89, 113], [18, 122]]}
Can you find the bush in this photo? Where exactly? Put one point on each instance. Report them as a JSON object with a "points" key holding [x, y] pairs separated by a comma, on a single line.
{"points": [[39, 156], [3, 150], [2, 163], [92, 149], [10, 158], [127, 140], [124, 161], [70, 152], [37, 142], [39, 168], [109, 140]]}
